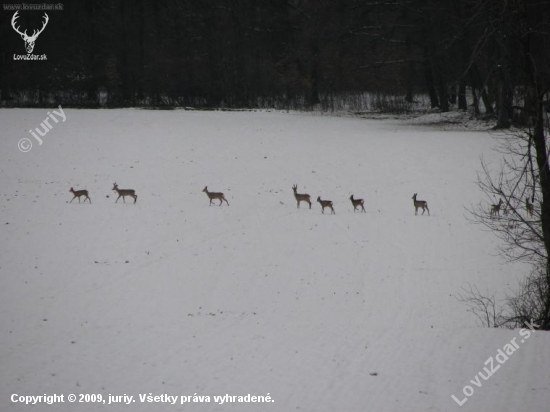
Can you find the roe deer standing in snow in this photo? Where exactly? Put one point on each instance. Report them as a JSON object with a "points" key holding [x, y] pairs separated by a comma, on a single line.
{"points": [[301, 197], [326, 203], [495, 209], [420, 204], [529, 207], [356, 203], [78, 193], [124, 193], [215, 195]]}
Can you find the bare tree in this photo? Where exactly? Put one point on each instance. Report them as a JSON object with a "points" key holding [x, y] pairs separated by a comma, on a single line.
{"points": [[518, 225], [520, 34], [483, 306]]}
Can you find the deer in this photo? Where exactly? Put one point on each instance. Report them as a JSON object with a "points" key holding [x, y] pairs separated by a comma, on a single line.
{"points": [[124, 193], [529, 206], [301, 197], [495, 209], [215, 195], [356, 203], [420, 204], [326, 203], [79, 193], [29, 40]]}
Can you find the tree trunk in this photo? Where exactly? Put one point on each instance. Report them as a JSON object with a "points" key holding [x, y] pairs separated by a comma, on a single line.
{"points": [[442, 92], [313, 95], [428, 74], [544, 178], [503, 105], [462, 100], [478, 84]]}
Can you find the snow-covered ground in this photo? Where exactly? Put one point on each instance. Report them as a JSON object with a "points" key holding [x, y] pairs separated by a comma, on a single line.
{"points": [[336, 313]]}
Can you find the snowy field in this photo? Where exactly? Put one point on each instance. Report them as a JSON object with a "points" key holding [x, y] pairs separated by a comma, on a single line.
{"points": [[325, 313]]}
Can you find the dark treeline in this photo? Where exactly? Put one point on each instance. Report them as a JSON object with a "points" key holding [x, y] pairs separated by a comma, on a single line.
{"points": [[276, 53]]}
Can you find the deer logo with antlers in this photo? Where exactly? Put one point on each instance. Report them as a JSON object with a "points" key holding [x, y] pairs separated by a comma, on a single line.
{"points": [[29, 40]]}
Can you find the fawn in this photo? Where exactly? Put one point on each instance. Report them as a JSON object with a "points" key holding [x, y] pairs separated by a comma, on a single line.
{"points": [[301, 197], [356, 203], [420, 204], [124, 193], [529, 207], [79, 193], [326, 203], [215, 195], [495, 209]]}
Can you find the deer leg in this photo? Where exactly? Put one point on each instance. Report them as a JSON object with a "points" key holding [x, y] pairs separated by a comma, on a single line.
{"points": [[363, 208], [333, 212], [116, 201], [309, 204], [78, 199], [135, 199]]}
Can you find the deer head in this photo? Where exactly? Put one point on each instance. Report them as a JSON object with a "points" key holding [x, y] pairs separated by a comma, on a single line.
{"points": [[29, 40]]}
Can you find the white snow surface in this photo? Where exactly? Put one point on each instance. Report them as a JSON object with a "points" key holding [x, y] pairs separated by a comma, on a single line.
{"points": [[336, 313]]}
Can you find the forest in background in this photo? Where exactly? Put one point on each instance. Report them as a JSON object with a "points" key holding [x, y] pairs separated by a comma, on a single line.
{"points": [[285, 54]]}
